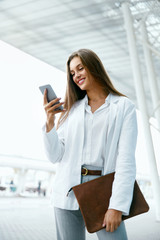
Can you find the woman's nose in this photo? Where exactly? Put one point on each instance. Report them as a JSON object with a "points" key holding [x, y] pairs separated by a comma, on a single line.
{"points": [[77, 75]]}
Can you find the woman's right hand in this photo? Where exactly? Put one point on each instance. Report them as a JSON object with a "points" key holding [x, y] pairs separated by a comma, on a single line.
{"points": [[50, 110]]}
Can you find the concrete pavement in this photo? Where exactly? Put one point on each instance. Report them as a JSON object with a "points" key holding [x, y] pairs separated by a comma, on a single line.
{"points": [[33, 219]]}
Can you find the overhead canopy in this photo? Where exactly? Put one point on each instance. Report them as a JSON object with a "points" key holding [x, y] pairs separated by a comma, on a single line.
{"points": [[52, 30]]}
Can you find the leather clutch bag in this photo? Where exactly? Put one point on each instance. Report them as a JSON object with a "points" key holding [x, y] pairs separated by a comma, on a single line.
{"points": [[93, 198]]}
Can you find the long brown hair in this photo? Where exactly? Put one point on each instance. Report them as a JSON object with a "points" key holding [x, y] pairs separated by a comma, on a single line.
{"points": [[94, 65]]}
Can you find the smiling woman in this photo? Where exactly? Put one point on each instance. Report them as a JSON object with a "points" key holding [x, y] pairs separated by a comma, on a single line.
{"points": [[81, 76], [86, 82], [96, 132], [85, 71]]}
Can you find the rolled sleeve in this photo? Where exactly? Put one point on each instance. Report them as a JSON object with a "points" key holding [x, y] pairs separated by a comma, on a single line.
{"points": [[125, 172]]}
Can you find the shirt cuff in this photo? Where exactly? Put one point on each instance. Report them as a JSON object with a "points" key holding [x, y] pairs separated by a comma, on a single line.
{"points": [[124, 212], [52, 131]]}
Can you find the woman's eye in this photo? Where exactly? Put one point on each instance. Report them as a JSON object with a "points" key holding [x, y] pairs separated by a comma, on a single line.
{"points": [[81, 68]]}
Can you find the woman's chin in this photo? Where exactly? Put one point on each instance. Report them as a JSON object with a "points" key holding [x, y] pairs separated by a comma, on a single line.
{"points": [[83, 87]]}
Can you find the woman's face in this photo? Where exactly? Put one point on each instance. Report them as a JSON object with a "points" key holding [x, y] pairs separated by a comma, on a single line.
{"points": [[80, 74]]}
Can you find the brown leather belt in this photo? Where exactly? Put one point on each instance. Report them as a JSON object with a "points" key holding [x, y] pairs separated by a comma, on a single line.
{"points": [[86, 171]]}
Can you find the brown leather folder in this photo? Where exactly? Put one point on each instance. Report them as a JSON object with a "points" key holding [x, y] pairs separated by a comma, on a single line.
{"points": [[93, 198]]}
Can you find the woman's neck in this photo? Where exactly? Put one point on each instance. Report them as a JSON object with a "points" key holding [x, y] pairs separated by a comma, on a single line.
{"points": [[96, 99], [96, 95]]}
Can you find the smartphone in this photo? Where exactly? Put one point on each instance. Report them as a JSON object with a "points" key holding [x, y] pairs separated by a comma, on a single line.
{"points": [[50, 94]]}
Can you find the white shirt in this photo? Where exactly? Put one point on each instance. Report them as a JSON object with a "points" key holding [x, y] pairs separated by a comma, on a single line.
{"points": [[95, 134]]}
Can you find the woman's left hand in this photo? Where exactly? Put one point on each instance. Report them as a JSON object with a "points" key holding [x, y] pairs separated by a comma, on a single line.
{"points": [[112, 220]]}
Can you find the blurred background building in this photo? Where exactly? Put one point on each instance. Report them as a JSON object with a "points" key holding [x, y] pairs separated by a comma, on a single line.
{"points": [[36, 39]]}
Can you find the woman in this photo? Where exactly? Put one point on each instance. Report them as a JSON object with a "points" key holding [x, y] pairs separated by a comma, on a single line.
{"points": [[97, 131]]}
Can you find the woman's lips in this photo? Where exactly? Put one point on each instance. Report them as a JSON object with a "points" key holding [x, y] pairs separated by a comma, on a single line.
{"points": [[81, 81]]}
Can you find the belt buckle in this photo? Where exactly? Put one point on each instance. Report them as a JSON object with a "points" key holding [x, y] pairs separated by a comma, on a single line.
{"points": [[84, 174]]}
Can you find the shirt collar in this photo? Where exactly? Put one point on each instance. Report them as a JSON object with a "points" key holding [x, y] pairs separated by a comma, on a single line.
{"points": [[107, 100]]}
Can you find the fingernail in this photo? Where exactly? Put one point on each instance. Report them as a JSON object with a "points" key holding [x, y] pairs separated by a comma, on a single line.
{"points": [[103, 225]]}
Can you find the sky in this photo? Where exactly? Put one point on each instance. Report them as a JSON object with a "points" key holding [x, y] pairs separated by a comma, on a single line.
{"points": [[21, 102], [21, 105]]}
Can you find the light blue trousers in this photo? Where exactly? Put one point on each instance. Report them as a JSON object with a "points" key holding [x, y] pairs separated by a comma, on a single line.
{"points": [[70, 224]]}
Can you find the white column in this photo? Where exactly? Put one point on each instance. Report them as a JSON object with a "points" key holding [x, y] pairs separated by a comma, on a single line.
{"points": [[142, 105], [21, 180], [50, 183], [151, 74]]}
